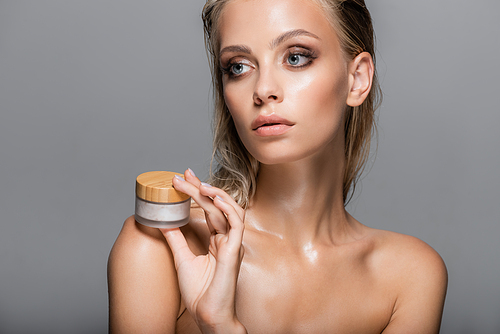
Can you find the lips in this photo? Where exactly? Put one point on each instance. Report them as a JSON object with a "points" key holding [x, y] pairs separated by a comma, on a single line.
{"points": [[271, 125], [271, 120]]}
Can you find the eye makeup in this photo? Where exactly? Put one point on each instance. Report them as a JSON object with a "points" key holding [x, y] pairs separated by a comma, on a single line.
{"points": [[296, 57]]}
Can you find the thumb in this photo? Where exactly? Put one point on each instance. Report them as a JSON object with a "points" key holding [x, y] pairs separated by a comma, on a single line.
{"points": [[178, 244]]}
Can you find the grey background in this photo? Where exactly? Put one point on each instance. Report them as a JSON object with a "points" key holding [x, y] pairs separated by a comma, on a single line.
{"points": [[93, 93]]}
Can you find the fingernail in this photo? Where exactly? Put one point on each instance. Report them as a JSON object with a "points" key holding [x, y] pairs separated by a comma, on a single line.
{"points": [[220, 198], [179, 178], [191, 171], [206, 185]]}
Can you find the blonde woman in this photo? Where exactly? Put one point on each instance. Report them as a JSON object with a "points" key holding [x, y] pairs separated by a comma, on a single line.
{"points": [[270, 247]]}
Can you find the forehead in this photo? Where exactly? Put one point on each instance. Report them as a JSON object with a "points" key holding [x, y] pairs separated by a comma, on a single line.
{"points": [[255, 20]]}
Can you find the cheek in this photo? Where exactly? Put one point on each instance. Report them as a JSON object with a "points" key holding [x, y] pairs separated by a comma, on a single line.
{"points": [[236, 101], [320, 96], [232, 101], [231, 94]]}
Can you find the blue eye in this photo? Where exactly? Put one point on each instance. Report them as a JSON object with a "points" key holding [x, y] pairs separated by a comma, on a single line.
{"points": [[237, 69], [300, 57], [294, 60]]}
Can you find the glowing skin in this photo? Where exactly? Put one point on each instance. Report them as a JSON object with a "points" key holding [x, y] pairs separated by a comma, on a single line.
{"points": [[297, 72], [294, 261]]}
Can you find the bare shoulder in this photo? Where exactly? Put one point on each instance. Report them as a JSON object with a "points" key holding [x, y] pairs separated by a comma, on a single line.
{"points": [[142, 280], [148, 245], [134, 234], [417, 275], [404, 256]]}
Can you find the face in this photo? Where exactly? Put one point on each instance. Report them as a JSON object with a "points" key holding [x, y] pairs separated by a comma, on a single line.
{"points": [[285, 78]]}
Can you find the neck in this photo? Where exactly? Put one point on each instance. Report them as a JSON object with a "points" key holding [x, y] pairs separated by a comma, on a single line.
{"points": [[302, 202]]}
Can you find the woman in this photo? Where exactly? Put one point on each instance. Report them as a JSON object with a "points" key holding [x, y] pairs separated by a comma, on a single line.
{"points": [[270, 247]]}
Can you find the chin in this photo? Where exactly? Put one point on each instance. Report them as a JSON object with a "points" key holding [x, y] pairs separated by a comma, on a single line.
{"points": [[282, 156], [297, 150]]}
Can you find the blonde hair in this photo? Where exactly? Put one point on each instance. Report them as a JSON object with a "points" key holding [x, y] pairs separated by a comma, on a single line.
{"points": [[236, 170]]}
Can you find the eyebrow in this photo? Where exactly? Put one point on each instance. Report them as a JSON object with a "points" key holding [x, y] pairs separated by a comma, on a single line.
{"points": [[291, 34], [235, 48], [275, 42]]}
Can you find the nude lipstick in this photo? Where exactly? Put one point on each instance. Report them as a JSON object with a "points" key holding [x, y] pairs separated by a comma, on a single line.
{"points": [[271, 125]]}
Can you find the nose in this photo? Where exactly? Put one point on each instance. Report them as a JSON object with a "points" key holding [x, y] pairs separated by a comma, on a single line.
{"points": [[267, 88]]}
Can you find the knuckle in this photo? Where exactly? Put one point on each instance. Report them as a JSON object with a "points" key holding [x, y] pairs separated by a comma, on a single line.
{"points": [[208, 212]]}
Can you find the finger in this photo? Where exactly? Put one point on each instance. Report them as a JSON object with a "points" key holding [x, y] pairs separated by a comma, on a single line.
{"points": [[236, 225], [191, 177], [227, 269], [215, 218], [213, 192], [207, 189], [178, 244]]}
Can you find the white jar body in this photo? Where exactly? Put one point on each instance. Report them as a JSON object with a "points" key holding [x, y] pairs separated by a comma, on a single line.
{"points": [[162, 215]]}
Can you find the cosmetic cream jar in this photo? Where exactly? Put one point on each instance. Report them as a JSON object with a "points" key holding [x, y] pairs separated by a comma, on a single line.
{"points": [[157, 203]]}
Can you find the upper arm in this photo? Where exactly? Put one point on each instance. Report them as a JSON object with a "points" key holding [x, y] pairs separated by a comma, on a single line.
{"points": [[142, 282], [422, 285]]}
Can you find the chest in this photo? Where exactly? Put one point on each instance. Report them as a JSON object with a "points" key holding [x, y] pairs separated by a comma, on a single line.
{"points": [[292, 299], [285, 297]]}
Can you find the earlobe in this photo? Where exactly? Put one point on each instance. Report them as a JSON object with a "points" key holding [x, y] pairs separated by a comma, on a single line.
{"points": [[361, 71]]}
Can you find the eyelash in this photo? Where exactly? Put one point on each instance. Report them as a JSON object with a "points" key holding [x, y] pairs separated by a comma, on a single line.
{"points": [[227, 70], [310, 55]]}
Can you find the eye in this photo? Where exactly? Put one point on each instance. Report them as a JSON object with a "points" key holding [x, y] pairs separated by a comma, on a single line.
{"points": [[298, 57], [238, 68], [297, 60]]}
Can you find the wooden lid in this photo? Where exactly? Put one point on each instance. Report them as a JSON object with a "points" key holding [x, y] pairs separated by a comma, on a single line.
{"points": [[157, 187]]}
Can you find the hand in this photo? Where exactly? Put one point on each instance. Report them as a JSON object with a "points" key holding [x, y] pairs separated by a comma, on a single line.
{"points": [[208, 282]]}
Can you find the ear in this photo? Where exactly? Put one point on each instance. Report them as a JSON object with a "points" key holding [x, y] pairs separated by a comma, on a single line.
{"points": [[361, 71]]}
